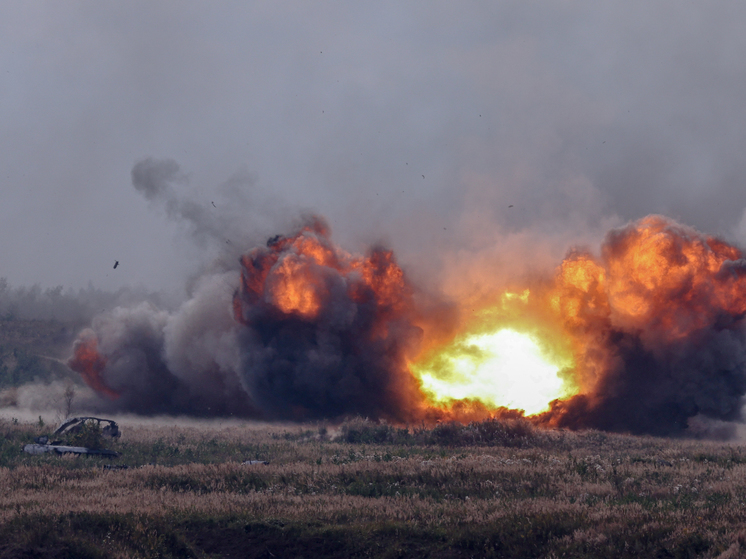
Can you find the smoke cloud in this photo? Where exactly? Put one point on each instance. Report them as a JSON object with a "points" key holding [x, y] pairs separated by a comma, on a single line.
{"points": [[301, 329], [326, 334], [659, 320], [448, 129], [298, 329]]}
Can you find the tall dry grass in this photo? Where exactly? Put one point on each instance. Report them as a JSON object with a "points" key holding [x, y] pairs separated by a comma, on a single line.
{"points": [[547, 494]]}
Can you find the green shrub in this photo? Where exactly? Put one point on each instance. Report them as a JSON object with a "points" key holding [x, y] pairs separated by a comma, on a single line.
{"points": [[88, 434], [491, 432], [364, 431]]}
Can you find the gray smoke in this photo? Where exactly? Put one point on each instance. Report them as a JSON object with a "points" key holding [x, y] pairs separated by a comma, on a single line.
{"points": [[232, 349], [158, 180], [226, 223], [182, 362]]}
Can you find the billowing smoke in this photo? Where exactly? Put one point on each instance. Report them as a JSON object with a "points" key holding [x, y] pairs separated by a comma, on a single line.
{"points": [[150, 361], [652, 332], [307, 331], [658, 328], [297, 329], [326, 333]]}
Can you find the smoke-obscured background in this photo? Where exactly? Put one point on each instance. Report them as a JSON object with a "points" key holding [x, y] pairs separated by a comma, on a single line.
{"points": [[479, 142], [418, 124]]}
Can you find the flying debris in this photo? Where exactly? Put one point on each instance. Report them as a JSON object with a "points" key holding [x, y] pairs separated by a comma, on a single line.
{"points": [[116, 263]]}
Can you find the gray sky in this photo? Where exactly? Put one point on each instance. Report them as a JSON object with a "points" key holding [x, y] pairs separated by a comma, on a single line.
{"points": [[579, 114]]}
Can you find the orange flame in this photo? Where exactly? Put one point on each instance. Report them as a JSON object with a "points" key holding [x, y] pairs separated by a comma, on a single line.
{"points": [[289, 276], [656, 274], [659, 263], [655, 279], [89, 363]]}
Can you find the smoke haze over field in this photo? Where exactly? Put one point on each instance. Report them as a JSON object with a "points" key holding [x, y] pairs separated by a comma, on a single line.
{"points": [[479, 143], [579, 114]]}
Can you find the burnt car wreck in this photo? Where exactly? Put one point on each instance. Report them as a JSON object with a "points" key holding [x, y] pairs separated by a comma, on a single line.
{"points": [[107, 428]]}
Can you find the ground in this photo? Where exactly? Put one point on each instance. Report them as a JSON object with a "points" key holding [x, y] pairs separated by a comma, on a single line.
{"points": [[360, 489]]}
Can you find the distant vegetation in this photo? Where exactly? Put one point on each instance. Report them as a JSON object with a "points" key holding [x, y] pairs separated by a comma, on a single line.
{"points": [[361, 489], [29, 351], [76, 307], [38, 327]]}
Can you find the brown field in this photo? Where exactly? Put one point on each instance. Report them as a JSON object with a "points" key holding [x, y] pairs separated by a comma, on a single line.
{"points": [[496, 489]]}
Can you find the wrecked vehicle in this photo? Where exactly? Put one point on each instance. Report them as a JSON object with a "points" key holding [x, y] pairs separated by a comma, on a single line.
{"points": [[110, 430], [74, 425]]}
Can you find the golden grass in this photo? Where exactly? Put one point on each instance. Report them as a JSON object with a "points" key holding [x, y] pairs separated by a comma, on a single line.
{"points": [[585, 494]]}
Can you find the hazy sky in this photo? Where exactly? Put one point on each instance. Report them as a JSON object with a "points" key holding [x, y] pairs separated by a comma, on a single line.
{"points": [[417, 124]]}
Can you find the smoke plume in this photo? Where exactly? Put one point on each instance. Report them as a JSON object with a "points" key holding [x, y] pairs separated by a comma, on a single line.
{"points": [[297, 329], [651, 332], [325, 333]]}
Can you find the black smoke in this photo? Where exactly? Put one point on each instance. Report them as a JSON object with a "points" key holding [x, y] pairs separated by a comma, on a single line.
{"points": [[349, 358], [671, 335], [233, 348]]}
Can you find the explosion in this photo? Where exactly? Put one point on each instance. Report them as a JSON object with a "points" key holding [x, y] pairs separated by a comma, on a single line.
{"points": [[657, 326], [645, 337], [640, 339], [87, 361], [310, 331], [499, 360], [502, 369], [326, 333]]}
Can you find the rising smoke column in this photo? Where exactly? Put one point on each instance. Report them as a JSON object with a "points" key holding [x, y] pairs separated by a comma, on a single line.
{"points": [[658, 327]]}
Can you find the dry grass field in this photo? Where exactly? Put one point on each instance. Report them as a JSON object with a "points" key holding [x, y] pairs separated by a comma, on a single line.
{"points": [[494, 489]]}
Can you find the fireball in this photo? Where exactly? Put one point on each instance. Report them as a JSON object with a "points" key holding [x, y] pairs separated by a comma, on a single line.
{"points": [[498, 361]]}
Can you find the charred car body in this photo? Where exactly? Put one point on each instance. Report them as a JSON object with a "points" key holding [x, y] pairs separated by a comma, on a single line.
{"points": [[108, 429]]}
